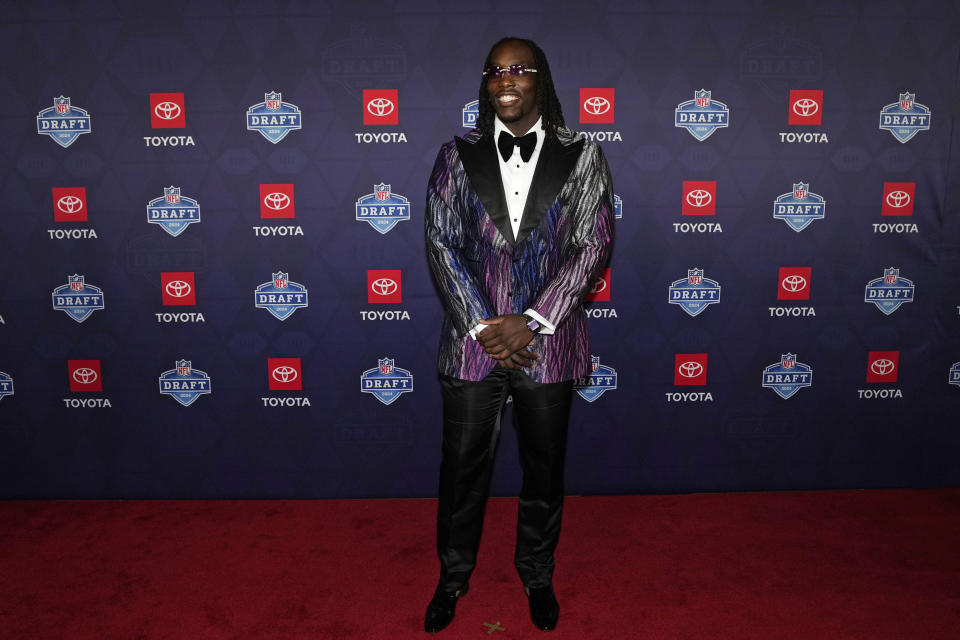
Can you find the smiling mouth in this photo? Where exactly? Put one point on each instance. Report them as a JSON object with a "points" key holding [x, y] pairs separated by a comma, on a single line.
{"points": [[507, 99]]}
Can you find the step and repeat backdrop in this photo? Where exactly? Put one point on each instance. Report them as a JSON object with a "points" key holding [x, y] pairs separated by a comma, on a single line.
{"points": [[213, 272]]}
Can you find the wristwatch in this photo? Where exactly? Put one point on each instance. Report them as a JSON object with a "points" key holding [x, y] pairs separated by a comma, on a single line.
{"points": [[532, 323]]}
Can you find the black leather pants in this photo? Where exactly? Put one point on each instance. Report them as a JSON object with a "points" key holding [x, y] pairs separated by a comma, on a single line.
{"points": [[471, 424]]}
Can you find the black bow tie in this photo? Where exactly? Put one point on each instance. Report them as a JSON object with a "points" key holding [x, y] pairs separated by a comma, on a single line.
{"points": [[506, 142]]}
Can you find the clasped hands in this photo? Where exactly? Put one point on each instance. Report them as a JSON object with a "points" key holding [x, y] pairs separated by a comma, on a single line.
{"points": [[506, 339]]}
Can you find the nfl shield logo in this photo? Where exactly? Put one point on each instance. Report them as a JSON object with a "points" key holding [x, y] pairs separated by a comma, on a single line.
{"points": [[172, 194], [280, 280], [890, 276], [272, 101], [386, 366], [800, 191], [695, 276], [382, 191], [594, 363], [906, 101], [788, 361], [76, 282], [63, 108], [702, 98], [183, 367]]}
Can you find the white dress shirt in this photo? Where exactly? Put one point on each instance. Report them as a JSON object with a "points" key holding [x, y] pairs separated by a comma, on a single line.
{"points": [[516, 176]]}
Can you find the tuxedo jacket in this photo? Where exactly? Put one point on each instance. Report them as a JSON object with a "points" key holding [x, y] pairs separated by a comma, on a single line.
{"points": [[481, 270]]}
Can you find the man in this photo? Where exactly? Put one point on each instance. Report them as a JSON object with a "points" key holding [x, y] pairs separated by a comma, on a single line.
{"points": [[519, 224]]}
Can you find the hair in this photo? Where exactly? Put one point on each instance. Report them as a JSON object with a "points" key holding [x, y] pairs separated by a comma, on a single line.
{"points": [[547, 102]]}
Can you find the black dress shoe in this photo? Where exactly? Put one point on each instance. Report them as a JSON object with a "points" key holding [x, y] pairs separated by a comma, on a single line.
{"points": [[442, 608], [544, 608]]}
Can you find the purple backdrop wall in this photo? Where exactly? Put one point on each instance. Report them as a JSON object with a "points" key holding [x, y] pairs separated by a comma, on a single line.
{"points": [[81, 407]]}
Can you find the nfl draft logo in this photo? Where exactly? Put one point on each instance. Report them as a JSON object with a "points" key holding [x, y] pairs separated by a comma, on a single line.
{"points": [[471, 111], [173, 212], [6, 385], [273, 117], [787, 376], [601, 379], [617, 207], [77, 299], [382, 209], [184, 384], [954, 378], [702, 115], [905, 118], [694, 293], [280, 296], [63, 122], [890, 291], [800, 207], [386, 382]]}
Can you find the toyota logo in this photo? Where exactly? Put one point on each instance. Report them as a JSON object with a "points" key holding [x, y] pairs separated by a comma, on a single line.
{"points": [[794, 283], [690, 369], [167, 110], [805, 107], [383, 286], [284, 374], [276, 201], [84, 375], [898, 199], [699, 198], [882, 366], [178, 288], [380, 107], [72, 204], [599, 285], [596, 105]]}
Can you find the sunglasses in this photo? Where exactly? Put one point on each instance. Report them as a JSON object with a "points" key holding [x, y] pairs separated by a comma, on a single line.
{"points": [[513, 70]]}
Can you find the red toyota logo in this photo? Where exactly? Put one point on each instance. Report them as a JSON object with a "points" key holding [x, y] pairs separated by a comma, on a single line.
{"points": [[690, 369], [794, 283], [167, 110], [284, 374], [178, 288], [380, 107], [84, 375], [383, 286], [596, 105], [276, 201], [898, 199], [599, 285], [699, 198], [70, 204], [805, 107], [882, 366]]}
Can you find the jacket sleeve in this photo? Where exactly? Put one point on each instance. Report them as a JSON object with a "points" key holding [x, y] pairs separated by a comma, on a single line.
{"points": [[592, 218], [448, 247]]}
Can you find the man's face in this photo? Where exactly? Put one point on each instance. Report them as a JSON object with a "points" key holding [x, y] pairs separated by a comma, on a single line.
{"points": [[514, 98]]}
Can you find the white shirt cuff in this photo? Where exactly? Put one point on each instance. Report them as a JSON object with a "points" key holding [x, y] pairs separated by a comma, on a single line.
{"points": [[547, 327]]}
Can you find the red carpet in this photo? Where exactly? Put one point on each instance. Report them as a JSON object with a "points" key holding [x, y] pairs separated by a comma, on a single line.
{"points": [[809, 565]]}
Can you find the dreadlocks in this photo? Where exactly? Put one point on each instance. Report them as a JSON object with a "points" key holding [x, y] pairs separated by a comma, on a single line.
{"points": [[547, 103]]}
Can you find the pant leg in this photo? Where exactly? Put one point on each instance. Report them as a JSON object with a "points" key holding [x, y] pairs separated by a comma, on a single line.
{"points": [[471, 424], [542, 414]]}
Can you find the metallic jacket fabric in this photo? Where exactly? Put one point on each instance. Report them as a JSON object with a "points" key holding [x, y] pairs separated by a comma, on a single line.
{"points": [[481, 270]]}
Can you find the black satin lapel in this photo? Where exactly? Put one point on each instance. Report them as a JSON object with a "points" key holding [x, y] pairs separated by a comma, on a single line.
{"points": [[483, 170], [553, 168]]}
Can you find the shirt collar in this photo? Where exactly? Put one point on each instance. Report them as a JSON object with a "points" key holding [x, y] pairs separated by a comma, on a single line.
{"points": [[499, 126]]}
